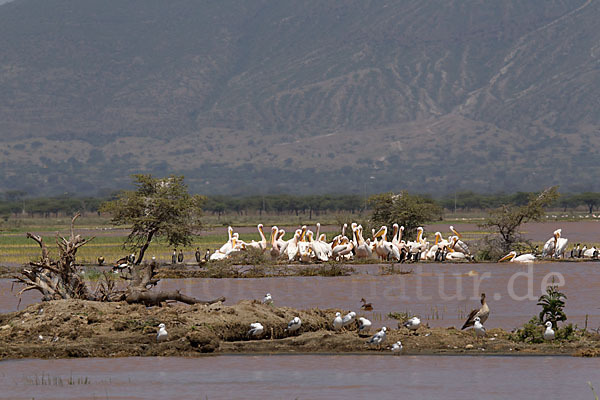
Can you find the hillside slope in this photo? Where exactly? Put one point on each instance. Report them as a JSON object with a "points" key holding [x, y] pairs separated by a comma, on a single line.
{"points": [[304, 96]]}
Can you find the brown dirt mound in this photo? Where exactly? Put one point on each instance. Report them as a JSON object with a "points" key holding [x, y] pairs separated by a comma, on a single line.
{"points": [[75, 328]]}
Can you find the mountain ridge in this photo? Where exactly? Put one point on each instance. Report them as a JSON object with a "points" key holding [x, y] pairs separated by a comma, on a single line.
{"points": [[312, 96]]}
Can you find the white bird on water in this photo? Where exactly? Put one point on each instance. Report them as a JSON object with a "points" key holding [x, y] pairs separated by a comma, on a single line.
{"points": [[348, 318], [378, 338], [338, 323], [549, 332], [479, 329], [256, 329], [365, 325], [162, 333], [397, 347], [294, 325], [267, 299], [413, 323]]}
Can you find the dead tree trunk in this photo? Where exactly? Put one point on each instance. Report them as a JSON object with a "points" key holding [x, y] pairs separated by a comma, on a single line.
{"points": [[61, 279]]}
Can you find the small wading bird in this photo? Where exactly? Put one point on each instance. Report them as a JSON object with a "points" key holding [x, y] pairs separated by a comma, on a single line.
{"points": [[256, 329], [378, 338], [162, 334], [549, 332], [483, 314]]}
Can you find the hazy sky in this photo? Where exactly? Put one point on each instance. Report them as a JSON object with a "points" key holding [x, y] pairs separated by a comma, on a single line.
{"points": [[4, 1]]}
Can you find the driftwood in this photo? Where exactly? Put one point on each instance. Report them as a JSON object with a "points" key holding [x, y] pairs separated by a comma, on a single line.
{"points": [[61, 279]]}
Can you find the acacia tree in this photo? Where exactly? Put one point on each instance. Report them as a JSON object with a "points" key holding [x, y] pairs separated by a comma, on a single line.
{"points": [[159, 207], [506, 220], [408, 210], [61, 279], [590, 199]]}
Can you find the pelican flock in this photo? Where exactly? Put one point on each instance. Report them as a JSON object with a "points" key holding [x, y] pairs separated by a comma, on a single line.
{"points": [[307, 246]]}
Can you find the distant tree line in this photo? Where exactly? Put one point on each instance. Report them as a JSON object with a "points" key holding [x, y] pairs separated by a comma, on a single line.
{"points": [[14, 202], [284, 204], [467, 201]]}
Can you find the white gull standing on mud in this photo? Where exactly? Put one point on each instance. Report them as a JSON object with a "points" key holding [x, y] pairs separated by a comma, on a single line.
{"points": [[162, 333], [256, 329], [294, 325]]}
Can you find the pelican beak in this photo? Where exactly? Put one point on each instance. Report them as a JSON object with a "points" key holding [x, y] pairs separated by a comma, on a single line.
{"points": [[456, 233], [506, 257]]}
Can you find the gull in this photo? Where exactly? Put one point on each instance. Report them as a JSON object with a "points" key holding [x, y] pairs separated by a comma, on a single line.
{"points": [[256, 329], [479, 329], [549, 332], [483, 314], [397, 347], [413, 324], [162, 333], [348, 318], [365, 325], [268, 299], [338, 323], [378, 338], [294, 325]]}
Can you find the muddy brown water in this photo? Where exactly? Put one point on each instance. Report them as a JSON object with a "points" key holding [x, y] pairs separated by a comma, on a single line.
{"points": [[442, 294], [301, 377]]}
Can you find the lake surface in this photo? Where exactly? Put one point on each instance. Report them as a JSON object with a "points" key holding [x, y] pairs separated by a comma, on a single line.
{"points": [[442, 294], [302, 377]]}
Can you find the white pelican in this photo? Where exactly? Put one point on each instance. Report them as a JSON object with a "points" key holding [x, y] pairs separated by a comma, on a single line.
{"points": [[217, 256], [228, 245], [523, 258], [262, 244], [378, 338], [363, 248], [275, 249], [342, 249], [454, 255], [397, 347], [292, 246], [459, 245], [549, 332], [281, 244], [550, 245], [294, 325], [430, 254], [592, 252], [338, 323], [318, 249], [256, 329], [383, 248], [412, 324], [483, 314], [162, 333], [561, 245], [419, 244]]}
